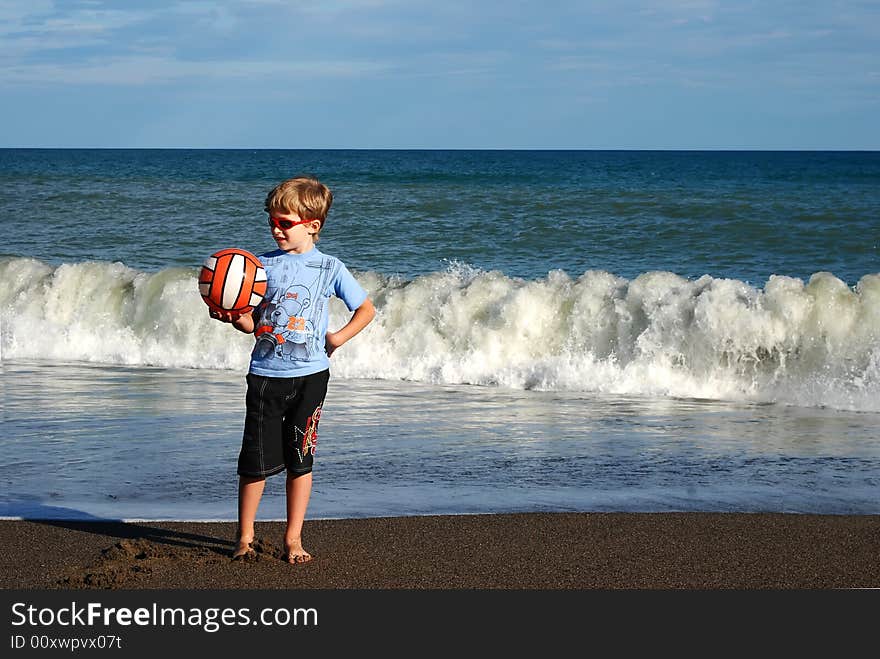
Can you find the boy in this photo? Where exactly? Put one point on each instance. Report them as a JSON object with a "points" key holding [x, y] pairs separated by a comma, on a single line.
{"points": [[289, 367]]}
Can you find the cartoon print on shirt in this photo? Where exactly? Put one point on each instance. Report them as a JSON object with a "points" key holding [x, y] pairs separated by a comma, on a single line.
{"points": [[285, 328], [288, 321]]}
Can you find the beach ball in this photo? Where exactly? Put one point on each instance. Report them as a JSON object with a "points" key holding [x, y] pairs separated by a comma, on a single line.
{"points": [[232, 280]]}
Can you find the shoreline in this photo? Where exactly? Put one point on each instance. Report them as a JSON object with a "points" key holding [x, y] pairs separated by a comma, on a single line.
{"points": [[495, 551]]}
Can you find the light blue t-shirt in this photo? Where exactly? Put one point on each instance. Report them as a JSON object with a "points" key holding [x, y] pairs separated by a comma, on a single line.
{"points": [[292, 319]]}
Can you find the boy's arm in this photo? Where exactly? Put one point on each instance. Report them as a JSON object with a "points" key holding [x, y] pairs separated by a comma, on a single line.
{"points": [[359, 320]]}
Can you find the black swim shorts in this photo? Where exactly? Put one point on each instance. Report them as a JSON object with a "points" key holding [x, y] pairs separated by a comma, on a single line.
{"points": [[281, 424]]}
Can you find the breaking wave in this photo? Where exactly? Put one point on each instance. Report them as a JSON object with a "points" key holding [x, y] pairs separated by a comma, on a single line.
{"points": [[810, 344]]}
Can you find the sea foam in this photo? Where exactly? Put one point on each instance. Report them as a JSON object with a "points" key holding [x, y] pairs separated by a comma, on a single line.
{"points": [[809, 344]]}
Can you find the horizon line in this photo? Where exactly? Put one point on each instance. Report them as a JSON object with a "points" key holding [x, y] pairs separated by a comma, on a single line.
{"points": [[546, 149]]}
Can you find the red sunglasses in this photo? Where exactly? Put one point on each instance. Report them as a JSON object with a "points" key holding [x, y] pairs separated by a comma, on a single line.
{"points": [[284, 225]]}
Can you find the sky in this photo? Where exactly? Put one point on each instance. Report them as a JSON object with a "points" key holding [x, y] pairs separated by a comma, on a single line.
{"points": [[445, 74]]}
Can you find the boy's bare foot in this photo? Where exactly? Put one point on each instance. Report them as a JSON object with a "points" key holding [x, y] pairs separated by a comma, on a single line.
{"points": [[295, 554], [243, 549]]}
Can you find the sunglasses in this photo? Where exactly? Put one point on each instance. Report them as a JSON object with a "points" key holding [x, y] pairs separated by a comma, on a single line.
{"points": [[284, 225]]}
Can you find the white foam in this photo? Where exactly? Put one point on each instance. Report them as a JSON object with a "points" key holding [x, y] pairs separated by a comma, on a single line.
{"points": [[811, 344]]}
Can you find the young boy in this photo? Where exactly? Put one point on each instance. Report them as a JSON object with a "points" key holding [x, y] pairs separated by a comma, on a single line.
{"points": [[289, 368]]}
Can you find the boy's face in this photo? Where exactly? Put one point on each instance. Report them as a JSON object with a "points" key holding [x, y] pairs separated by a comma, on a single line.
{"points": [[291, 233]]}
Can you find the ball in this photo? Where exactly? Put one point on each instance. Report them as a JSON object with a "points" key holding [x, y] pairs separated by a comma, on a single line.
{"points": [[232, 280]]}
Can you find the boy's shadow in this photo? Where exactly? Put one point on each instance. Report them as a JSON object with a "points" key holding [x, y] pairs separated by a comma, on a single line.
{"points": [[76, 520]]}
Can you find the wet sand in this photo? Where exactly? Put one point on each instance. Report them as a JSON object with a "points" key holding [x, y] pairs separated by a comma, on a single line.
{"points": [[510, 551]]}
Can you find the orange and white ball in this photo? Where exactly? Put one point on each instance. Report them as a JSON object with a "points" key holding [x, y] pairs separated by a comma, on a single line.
{"points": [[232, 280]]}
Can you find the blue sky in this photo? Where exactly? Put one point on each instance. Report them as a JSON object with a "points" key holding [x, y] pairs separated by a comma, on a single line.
{"points": [[627, 74]]}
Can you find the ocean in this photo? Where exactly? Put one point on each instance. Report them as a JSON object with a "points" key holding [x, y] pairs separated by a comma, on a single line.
{"points": [[555, 331]]}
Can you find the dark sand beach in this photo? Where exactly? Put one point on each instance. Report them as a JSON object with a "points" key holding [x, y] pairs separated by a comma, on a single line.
{"points": [[505, 551]]}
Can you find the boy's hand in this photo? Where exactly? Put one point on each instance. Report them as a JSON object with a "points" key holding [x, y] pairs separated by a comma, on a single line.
{"points": [[361, 318], [224, 316], [331, 342]]}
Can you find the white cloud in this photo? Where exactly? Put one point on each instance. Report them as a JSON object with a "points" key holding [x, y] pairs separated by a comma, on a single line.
{"points": [[44, 18], [145, 70], [42, 29], [13, 13], [715, 43]]}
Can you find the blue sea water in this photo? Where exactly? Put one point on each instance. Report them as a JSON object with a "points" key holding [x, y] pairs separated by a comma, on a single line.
{"points": [[556, 330]]}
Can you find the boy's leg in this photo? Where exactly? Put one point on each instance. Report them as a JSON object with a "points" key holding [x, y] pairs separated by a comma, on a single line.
{"points": [[250, 490], [299, 489], [262, 451], [301, 434]]}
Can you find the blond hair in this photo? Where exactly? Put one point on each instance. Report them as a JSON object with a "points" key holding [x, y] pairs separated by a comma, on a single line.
{"points": [[304, 195]]}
